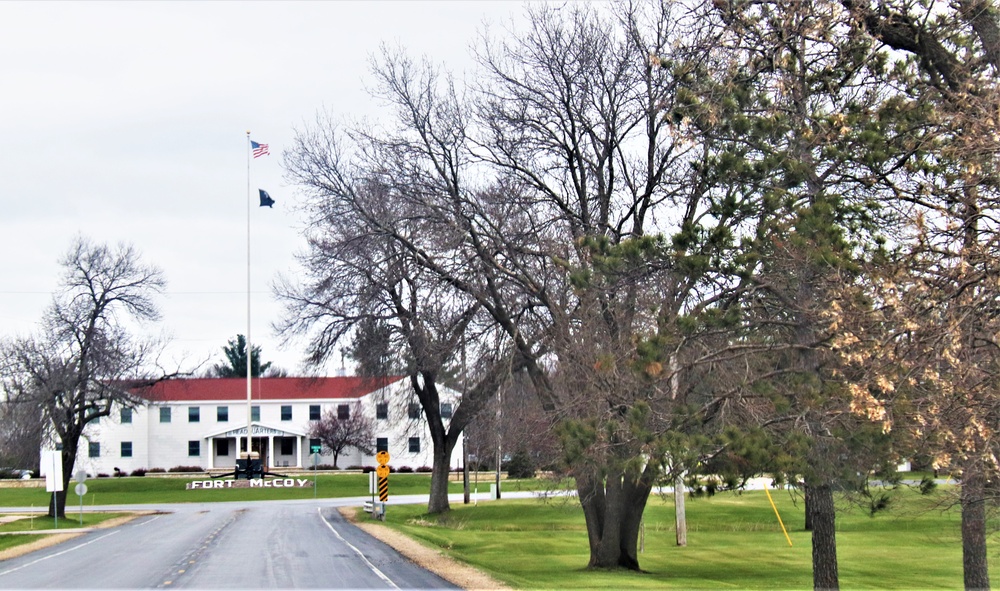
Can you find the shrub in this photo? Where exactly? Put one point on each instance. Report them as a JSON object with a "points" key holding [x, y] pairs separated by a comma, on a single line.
{"points": [[102, 475], [138, 472], [324, 467], [405, 470], [186, 469], [156, 471], [354, 467], [425, 469], [521, 465], [367, 469]]}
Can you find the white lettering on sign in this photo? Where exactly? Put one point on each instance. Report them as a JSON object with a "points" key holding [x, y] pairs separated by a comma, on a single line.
{"points": [[254, 483]]}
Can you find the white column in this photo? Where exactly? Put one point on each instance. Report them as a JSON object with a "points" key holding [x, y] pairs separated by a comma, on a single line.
{"points": [[270, 451], [211, 453], [298, 450]]}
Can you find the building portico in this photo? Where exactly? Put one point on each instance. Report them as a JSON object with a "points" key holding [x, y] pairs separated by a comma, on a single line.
{"points": [[223, 446]]}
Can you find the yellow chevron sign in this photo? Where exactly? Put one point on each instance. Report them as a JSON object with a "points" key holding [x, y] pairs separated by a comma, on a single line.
{"points": [[383, 489]]}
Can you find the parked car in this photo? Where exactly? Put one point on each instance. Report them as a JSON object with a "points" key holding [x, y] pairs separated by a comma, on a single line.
{"points": [[16, 473]]}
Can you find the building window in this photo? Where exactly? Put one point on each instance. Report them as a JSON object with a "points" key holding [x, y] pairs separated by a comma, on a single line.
{"points": [[194, 414], [382, 444], [126, 416], [126, 449], [164, 414], [287, 446], [286, 412], [222, 447], [254, 413], [413, 410], [445, 410], [343, 412], [314, 412], [222, 414], [94, 449], [414, 445], [194, 448], [382, 410]]}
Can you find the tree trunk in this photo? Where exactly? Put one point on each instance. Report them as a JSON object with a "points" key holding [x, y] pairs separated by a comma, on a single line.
{"points": [[613, 511], [974, 565], [822, 516], [438, 501], [809, 521]]}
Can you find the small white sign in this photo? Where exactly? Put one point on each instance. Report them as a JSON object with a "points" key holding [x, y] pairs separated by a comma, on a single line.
{"points": [[52, 464], [81, 489]]}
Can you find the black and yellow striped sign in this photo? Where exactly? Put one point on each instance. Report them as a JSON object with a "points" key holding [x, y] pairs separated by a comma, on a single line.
{"points": [[383, 489]]}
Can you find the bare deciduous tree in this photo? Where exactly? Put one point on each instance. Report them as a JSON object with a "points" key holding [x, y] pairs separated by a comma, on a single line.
{"points": [[85, 360], [337, 435]]}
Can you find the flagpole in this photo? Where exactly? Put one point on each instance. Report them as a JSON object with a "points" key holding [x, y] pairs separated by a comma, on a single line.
{"points": [[249, 350]]}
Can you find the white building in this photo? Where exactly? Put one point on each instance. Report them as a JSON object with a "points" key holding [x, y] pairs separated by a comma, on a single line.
{"points": [[203, 422]]}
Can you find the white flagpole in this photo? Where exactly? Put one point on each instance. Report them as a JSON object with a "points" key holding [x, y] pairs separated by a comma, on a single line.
{"points": [[249, 350]]}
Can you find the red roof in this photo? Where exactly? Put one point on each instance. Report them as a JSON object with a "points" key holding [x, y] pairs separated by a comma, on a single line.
{"points": [[263, 389]]}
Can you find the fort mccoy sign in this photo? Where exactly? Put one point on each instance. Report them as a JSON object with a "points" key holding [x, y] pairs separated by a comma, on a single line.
{"points": [[252, 483]]}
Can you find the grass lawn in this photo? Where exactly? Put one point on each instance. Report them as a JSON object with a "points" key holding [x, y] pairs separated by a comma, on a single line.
{"points": [[734, 542], [13, 541], [38, 523], [72, 521], [150, 489]]}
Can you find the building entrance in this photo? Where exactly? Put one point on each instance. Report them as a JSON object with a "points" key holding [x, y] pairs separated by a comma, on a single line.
{"points": [[260, 446]]}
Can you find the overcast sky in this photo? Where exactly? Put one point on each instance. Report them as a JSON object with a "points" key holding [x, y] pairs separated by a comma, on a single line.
{"points": [[127, 121]]}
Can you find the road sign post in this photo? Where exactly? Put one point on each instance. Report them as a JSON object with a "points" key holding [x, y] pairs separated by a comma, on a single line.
{"points": [[314, 450], [382, 472], [52, 460], [81, 490]]}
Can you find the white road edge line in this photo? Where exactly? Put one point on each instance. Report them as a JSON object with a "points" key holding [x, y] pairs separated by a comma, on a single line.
{"points": [[375, 570], [7, 572]]}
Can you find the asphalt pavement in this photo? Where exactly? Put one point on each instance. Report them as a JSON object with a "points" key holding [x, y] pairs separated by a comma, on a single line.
{"points": [[302, 544]]}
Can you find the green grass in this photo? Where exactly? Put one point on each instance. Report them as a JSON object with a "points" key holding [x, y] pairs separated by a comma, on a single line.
{"points": [[41, 522], [734, 542], [149, 489], [14, 541], [70, 522]]}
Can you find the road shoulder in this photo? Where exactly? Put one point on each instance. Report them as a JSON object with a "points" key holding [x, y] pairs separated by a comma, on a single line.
{"points": [[52, 539], [433, 560]]}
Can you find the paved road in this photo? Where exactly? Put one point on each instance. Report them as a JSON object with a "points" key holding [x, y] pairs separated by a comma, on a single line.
{"points": [[260, 545]]}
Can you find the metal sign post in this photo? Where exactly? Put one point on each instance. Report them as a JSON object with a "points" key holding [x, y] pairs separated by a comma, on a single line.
{"points": [[382, 472], [81, 489], [52, 460], [315, 449]]}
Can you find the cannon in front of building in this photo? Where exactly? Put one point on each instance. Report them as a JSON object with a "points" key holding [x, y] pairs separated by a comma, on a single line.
{"points": [[249, 467]]}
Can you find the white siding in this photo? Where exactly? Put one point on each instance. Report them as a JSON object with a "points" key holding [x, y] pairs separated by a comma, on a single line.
{"points": [[165, 445]]}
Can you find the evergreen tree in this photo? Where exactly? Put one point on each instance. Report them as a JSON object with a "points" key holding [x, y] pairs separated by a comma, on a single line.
{"points": [[235, 365]]}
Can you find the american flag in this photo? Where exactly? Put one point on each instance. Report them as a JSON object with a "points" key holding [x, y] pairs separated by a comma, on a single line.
{"points": [[258, 149]]}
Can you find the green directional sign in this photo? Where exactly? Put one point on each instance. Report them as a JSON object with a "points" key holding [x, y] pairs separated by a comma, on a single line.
{"points": [[315, 449]]}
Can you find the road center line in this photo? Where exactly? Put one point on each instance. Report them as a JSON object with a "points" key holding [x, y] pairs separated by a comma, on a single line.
{"points": [[6, 572], [375, 569]]}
